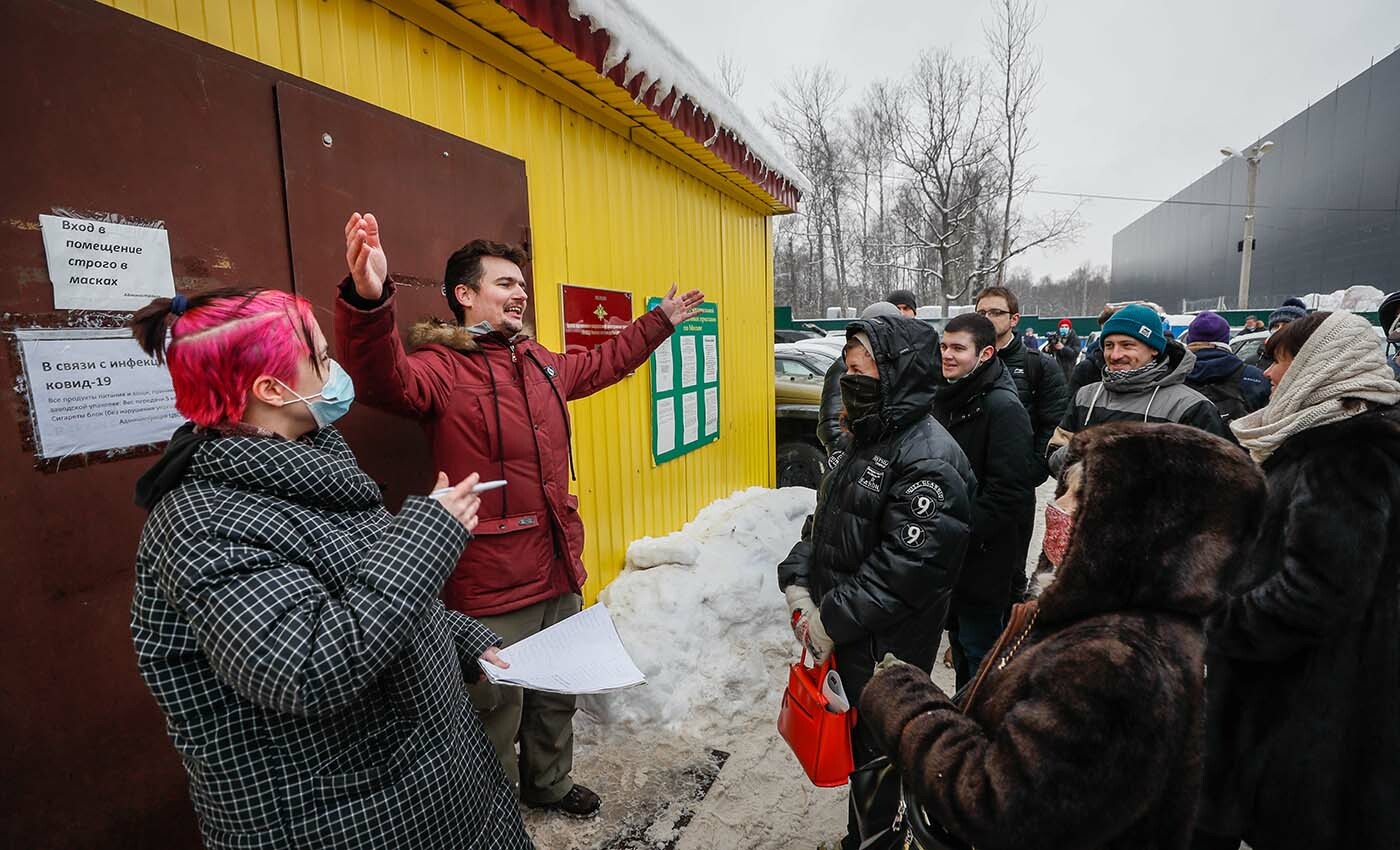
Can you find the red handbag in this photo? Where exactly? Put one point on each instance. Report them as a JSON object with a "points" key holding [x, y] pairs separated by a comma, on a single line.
{"points": [[820, 739]]}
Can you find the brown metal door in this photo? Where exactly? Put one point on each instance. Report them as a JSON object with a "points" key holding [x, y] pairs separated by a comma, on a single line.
{"points": [[108, 114], [431, 192]]}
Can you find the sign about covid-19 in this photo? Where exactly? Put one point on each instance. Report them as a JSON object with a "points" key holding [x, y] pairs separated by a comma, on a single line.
{"points": [[100, 265], [94, 390]]}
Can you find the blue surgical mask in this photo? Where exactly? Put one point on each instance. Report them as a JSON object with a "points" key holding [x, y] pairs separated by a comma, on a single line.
{"points": [[334, 399]]}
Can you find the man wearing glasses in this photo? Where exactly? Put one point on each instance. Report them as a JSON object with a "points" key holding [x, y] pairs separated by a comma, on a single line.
{"points": [[1039, 381]]}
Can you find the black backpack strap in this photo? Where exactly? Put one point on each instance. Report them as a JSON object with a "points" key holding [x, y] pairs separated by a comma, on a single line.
{"points": [[1035, 370]]}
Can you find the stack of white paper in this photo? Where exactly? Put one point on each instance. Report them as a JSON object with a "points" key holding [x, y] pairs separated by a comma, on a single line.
{"points": [[580, 655]]}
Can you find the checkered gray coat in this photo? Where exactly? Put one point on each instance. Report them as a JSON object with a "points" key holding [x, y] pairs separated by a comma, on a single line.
{"points": [[312, 682]]}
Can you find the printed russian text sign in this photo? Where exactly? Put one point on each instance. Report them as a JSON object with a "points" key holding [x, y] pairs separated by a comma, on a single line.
{"points": [[685, 386], [99, 265]]}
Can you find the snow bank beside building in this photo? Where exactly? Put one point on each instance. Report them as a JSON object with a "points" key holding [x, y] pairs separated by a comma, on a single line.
{"points": [[701, 613], [1356, 298]]}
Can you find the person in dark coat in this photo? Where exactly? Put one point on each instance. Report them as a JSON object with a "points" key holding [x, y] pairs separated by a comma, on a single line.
{"points": [[879, 557], [978, 404], [1084, 727], [1304, 684], [1040, 385], [1063, 345], [289, 627], [1145, 380], [829, 422], [1234, 387], [1389, 313], [490, 397]]}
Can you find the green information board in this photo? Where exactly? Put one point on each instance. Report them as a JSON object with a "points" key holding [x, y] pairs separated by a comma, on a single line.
{"points": [[685, 386]]}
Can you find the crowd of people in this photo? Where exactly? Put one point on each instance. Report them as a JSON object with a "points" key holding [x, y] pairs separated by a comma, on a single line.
{"points": [[1209, 651]]}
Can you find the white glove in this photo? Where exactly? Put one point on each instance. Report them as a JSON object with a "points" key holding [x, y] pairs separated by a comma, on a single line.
{"points": [[806, 619]]}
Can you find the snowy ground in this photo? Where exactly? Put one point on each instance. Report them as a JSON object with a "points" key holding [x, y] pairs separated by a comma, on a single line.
{"points": [[692, 760]]}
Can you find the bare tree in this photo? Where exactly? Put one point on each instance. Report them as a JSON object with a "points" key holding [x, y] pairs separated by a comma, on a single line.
{"points": [[806, 119], [944, 146], [731, 75], [1017, 68]]}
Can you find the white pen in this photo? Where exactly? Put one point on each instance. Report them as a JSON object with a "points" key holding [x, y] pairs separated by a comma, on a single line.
{"points": [[481, 487]]}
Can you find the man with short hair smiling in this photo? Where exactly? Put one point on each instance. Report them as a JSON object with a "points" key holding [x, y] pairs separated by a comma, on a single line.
{"points": [[978, 403], [493, 401], [1144, 380]]}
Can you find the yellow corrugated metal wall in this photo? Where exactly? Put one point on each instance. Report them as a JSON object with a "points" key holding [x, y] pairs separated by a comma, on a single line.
{"points": [[604, 212]]}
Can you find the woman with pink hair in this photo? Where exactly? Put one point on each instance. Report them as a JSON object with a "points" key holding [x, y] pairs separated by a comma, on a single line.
{"points": [[287, 625]]}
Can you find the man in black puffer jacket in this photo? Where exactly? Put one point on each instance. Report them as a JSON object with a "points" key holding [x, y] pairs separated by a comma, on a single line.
{"points": [[977, 402], [878, 559]]}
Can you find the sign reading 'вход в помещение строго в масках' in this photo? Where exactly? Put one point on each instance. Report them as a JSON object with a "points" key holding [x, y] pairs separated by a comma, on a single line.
{"points": [[102, 265]]}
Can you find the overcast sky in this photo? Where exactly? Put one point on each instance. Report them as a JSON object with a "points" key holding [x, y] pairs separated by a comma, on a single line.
{"points": [[1138, 97]]}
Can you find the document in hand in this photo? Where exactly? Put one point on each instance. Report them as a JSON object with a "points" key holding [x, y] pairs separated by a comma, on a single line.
{"points": [[580, 655]]}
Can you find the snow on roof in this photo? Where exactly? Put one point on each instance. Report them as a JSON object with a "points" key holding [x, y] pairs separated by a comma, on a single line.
{"points": [[643, 50]]}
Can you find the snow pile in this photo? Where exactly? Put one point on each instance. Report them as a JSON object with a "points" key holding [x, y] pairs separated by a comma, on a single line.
{"points": [[1355, 298], [701, 614], [643, 50]]}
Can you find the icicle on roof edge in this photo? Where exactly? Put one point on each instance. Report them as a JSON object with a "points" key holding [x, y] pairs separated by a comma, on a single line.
{"points": [[646, 52]]}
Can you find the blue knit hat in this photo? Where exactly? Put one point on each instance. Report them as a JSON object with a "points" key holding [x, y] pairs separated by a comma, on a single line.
{"points": [[1139, 322], [1285, 314]]}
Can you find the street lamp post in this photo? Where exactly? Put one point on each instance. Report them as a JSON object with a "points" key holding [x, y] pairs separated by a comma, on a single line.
{"points": [[1251, 155]]}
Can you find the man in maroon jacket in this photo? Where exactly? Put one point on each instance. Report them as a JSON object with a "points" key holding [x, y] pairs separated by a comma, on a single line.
{"points": [[492, 400]]}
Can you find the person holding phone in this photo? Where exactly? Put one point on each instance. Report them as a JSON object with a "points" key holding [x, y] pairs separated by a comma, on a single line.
{"points": [[287, 625], [492, 398]]}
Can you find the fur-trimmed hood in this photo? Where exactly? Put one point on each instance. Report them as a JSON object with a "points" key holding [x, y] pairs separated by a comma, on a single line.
{"points": [[1166, 512], [452, 335]]}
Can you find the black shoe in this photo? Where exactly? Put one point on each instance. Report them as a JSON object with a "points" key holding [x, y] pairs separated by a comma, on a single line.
{"points": [[578, 803]]}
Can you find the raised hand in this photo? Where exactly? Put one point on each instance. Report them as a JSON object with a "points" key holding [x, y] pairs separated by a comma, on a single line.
{"points": [[365, 256], [684, 308], [460, 501]]}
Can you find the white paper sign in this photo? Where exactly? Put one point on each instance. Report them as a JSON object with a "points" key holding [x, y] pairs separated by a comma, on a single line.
{"points": [[665, 368], [711, 410], [97, 265], [690, 418], [710, 345], [687, 361], [580, 655], [92, 390], [665, 425]]}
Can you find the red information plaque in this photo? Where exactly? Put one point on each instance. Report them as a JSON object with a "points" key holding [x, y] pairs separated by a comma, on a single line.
{"points": [[593, 316]]}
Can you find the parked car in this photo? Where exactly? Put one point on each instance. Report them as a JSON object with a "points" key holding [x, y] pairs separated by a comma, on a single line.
{"points": [[793, 335], [799, 369], [1247, 347]]}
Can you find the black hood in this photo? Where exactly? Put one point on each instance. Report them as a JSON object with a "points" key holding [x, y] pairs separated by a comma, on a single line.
{"points": [[906, 352], [170, 470], [1170, 511]]}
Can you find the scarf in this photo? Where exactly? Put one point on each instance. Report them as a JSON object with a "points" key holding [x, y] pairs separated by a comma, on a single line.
{"points": [[1340, 361]]}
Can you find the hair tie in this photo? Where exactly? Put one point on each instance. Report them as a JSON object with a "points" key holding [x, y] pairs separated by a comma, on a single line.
{"points": [[178, 305]]}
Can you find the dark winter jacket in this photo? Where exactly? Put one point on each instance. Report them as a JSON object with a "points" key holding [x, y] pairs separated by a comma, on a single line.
{"points": [[1089, 736], [1215, 366], [290, 630], [829, 423], [1041, 387], [984, 414], [496, 407], [1157, 395], [881, 553], [1087, 371], [1067, 354], [1304, 686]]}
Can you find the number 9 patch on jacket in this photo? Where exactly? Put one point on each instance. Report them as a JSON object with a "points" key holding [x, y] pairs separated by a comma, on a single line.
{"points": [[912, 536]]}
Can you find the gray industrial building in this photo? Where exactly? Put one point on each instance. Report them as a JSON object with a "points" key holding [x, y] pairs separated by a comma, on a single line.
{"points": [[1327, 212]]}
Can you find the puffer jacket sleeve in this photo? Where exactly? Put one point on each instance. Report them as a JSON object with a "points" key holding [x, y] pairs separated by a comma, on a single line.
{"points": [[1051, 402], [1003, 488], [1079, 755], [829, 421], [1331, 564], [385, 376], [796, 568], [1203, 415], [588, 372], [923, 536], [471, 639], [274, 632]]}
